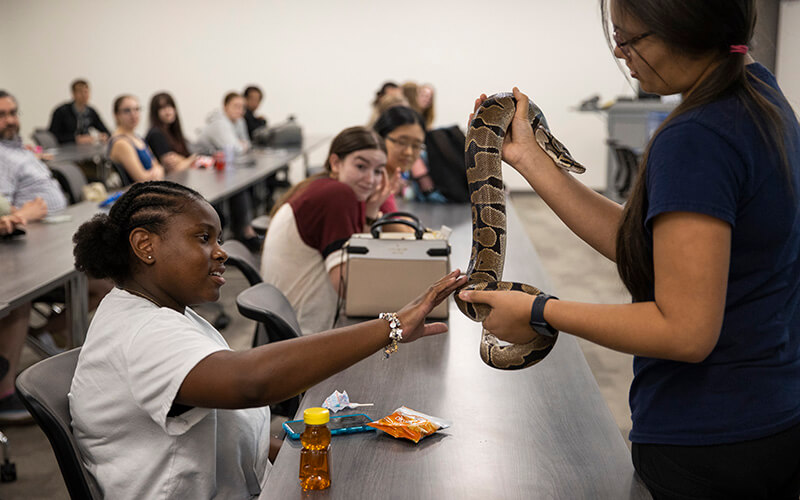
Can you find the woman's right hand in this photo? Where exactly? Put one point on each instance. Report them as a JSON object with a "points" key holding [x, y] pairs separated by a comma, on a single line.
{"points": [[520, 148], [412, 316], [33, 210]]}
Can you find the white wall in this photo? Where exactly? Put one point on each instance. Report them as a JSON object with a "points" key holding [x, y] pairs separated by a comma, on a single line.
{"points": [[787, 69], [321, 61]]}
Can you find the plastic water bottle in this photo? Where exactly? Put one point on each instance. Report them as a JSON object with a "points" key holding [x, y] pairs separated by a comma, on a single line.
{"points": [[315, 469]]}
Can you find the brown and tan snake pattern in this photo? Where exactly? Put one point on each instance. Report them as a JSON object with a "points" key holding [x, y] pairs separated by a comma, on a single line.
{"points": [[484, 174]]}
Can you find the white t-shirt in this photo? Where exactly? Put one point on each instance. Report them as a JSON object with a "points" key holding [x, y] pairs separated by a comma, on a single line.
{"points": [[300, 272], [133, 362]]}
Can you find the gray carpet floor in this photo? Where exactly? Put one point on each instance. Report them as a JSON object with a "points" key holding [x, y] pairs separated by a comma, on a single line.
{"points": [[577, 272]]}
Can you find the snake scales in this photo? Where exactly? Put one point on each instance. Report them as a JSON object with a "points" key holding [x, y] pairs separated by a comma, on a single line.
{"points": [[483, 147]]}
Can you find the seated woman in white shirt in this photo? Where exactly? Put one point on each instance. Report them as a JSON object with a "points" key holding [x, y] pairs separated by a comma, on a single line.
{"points": [[161, 407], [303, 254]]}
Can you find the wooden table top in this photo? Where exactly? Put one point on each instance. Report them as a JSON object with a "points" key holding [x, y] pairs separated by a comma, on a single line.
{"points": [[542, 432]]}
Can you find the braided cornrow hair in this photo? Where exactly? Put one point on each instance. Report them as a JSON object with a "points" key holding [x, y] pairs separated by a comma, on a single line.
{"points": [[102, 249]]}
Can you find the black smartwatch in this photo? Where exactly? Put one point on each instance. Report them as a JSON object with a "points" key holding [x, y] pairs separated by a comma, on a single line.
{"points": [[538, 323]]}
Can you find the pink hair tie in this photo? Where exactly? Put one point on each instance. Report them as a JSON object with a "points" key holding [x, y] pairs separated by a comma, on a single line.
{"points": [[739, 49]]}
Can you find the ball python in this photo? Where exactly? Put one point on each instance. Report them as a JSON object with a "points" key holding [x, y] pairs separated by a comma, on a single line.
{"points": [[484, 142]]}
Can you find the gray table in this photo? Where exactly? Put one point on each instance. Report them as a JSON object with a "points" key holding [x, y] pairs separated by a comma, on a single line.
{"points": [[78, 152], [543, 432], [42, 261], [245, 171]]}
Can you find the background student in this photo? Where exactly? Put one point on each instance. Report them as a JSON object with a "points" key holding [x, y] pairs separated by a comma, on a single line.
{"points": [[72, 122], [303, 255], [129, 150], [165, 137]]}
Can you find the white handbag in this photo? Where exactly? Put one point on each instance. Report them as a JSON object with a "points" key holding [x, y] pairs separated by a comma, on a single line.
{"points": [[386, 271]]}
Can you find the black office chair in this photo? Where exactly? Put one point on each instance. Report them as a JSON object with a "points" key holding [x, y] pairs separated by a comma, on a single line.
{"points": [[71, 179], [43, 389], [124, 178], [44, 138], [275, 321], [260, 224]]}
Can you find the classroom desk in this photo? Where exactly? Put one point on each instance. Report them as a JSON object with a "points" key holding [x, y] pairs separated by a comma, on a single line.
{"points": [[77, 152], [542, 432], [41, 261], [247, 170]]}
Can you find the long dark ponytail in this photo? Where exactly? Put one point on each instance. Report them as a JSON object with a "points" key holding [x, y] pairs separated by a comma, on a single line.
{"points": [[694, 28]]}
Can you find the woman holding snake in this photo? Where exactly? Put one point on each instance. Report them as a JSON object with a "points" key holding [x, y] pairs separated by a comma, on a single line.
{"points": [[708, 247]]}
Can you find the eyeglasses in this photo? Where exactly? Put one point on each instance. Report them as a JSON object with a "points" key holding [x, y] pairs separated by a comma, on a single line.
{"points": [[130, 110], [406, 143], [626, 45], [13, 113]]}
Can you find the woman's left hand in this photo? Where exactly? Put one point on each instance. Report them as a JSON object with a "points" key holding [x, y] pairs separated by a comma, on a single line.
{"points": [[412, 316], [509, 319]]}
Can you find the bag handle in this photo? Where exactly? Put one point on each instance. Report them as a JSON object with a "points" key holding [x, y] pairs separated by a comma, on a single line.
{"points": [[418, 231], [395, 215]]}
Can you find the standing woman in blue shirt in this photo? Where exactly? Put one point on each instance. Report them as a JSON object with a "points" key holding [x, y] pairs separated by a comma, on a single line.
{"points": [[707, 245]]}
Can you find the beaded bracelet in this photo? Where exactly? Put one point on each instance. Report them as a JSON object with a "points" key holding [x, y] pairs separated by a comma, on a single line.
{"points": [[396, 334]]}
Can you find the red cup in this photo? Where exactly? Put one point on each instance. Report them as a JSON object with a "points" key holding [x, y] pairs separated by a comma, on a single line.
{"points": [[219, 160]]}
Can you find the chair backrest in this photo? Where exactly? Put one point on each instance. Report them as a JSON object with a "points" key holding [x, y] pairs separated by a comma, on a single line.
{"points": [[276, 321], [240, 257], [44, 138], [267, 305], [124, 177], [71, 178], [43, 389]]}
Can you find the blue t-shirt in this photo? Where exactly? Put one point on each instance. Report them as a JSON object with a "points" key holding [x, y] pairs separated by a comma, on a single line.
{"points": [[713, 161]]}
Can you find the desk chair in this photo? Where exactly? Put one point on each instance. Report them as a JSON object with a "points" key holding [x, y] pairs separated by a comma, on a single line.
{"points": [[43, 389], [43, 138], [276, 321], [8, 470], [71, 179], [124, 178]]}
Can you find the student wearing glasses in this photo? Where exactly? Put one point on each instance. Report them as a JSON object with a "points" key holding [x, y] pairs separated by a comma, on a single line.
{"points": [[303, 251], [707, 245], [404, 132], [129, 150]]}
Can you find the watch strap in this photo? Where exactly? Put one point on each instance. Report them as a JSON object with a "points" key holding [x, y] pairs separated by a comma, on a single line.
{"points": [[538, 323]]}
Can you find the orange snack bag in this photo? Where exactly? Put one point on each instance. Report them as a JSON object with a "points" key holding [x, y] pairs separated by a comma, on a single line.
{"points": [[409, 424]]}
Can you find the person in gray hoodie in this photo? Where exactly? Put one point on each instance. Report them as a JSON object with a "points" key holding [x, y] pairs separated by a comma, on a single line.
{"points": [[225, 128]]}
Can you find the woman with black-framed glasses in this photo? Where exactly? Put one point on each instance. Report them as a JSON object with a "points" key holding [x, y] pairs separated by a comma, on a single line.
{"points": [[707, 245]]}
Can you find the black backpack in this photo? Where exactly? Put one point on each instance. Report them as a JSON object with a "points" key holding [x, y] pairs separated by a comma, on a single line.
{"points": [[445, 147]]}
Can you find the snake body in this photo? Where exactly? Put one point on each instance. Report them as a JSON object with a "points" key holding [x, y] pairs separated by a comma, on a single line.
{"points": [[483, 148]]}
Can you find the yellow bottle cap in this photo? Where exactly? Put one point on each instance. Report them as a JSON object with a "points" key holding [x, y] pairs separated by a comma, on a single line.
{"points": [[316, 416]]}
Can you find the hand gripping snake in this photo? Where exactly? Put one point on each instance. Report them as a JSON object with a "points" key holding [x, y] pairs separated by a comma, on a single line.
{"points": [[483, 148]]}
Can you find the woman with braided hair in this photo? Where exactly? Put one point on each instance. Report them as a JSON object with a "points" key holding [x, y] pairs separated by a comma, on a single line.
{"points": [[157, 390], [708, 246]]}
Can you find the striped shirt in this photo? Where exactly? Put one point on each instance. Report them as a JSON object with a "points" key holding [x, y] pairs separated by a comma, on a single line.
{"points": [[23, 178]]}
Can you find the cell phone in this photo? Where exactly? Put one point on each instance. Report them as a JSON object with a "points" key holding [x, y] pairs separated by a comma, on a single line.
{"points": [[18, 231], [339, 424]]}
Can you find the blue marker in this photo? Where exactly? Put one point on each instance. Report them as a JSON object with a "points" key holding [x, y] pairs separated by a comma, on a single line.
{"points": [[111, 199]]}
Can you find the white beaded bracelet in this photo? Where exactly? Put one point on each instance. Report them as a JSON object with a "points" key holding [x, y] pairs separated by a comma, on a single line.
{"points": [[396, 333]]}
